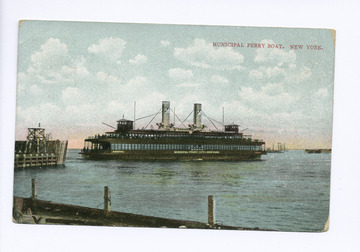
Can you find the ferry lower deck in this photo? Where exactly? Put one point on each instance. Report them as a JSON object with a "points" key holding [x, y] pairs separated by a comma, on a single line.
{"points": [[174, 155]]}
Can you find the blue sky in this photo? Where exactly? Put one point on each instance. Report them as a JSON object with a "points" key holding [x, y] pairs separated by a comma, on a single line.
{"points": [[72, 76]]}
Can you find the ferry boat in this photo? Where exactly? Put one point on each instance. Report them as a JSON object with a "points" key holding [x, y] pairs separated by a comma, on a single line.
{"points": [[168, 142]]}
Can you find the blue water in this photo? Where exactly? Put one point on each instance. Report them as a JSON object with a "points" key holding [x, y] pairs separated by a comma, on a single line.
{"points": [[287, 192]]}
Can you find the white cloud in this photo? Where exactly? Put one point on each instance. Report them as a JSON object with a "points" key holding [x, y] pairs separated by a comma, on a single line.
{"points": [[276, 56], [43, 113], [236, 111], [81, 111], [270, 98], [135, 87], [288, 73], [138, 60], [106, 78], [218, 79], [136, 82], [72, 95], [53, 53], [256, 74], [164, 43], [75, 68], [35, 90], [180, 74], [204, 55], [321, 93], [298, 75], [52, 64], [111, 48], [114, 107], [272, 89], [274, 71], [188, 84]]}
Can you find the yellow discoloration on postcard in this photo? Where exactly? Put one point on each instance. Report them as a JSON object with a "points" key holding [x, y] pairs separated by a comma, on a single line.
{"points": [[21, 21], [326, 227], [333, 33]]}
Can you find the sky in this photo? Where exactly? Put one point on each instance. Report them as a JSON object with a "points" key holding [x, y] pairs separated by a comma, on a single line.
{"points": [[72, 76]]}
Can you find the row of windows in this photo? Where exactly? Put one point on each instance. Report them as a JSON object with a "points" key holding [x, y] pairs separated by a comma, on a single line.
{"points": [[156, 136], [188, 147]]}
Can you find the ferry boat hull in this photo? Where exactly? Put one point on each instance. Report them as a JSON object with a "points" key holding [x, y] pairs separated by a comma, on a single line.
{"points": [[174, 155]]}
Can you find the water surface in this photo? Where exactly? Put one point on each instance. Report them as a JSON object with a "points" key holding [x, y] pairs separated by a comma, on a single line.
{"points": [[287, 192]]}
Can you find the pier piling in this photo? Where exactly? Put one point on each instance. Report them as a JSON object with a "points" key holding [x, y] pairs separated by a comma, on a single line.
{"points": [[107, 200], [34, 189], [33, 210], [211, 210]]}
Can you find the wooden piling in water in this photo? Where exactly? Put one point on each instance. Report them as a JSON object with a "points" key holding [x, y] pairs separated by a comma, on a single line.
{"points": [[107, 200], [32, 210], [33, 189], [211, 210]]}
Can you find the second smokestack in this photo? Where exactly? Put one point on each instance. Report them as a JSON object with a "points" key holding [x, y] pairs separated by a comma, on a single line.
{"points": [[165, 114], [197, 115]]}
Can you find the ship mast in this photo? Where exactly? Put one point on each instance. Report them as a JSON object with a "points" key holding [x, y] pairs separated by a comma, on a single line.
{"points": [[134, 113]]}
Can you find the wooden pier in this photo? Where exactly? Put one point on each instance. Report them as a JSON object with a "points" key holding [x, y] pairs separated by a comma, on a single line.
{"points": [[35, 160], [39, 150], [34, 211]]}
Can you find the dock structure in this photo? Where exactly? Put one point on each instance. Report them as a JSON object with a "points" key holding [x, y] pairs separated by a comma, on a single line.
{"points": [[39, 150], [34, 211]]}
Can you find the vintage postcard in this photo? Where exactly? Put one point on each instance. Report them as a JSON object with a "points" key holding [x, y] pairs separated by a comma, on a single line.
{"points": [[173, 126]]}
